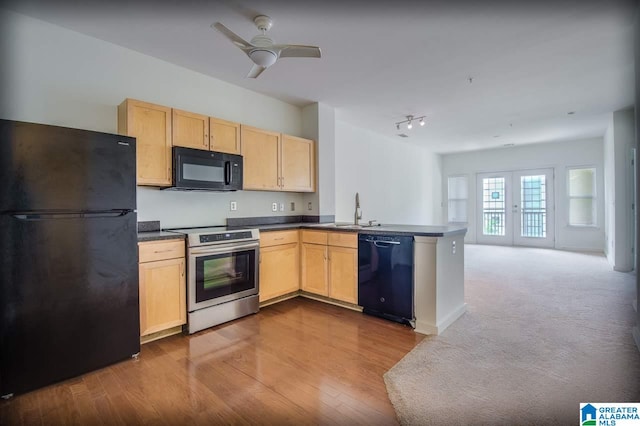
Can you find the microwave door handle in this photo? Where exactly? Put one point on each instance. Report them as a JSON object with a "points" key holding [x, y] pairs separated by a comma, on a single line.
{"points": [[227, 173]]}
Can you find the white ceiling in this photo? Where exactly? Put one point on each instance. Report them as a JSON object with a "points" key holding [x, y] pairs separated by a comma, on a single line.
{"points": [[531, 62]]}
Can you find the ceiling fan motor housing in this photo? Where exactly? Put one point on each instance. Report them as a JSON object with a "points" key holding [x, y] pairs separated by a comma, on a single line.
{"points": [[263, 22]]}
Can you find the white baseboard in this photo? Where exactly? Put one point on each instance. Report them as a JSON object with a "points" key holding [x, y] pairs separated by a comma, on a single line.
{"points": [[636, 335], [454, 315], [425, 327]]}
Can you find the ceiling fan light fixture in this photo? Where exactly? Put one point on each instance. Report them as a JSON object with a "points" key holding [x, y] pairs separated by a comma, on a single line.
{"points": [[422, 121], [409, 126], [264, 58]]}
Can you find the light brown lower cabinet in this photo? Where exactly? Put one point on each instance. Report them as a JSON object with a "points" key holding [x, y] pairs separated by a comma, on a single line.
{"points": [[343, 274], [163, 291], [279, 263], [330, 264]]}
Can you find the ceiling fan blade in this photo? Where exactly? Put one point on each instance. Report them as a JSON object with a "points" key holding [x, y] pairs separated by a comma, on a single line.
{"points": [[298, 51], [235, 39], [256, 70]]}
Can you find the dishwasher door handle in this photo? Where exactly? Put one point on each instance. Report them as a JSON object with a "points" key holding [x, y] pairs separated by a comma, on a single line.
{"points": [[377, 243]]}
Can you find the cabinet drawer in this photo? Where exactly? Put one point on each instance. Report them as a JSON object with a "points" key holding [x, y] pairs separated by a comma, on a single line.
{"points": [[343, 239], [275, 238], [160, 250], [314, 237]]}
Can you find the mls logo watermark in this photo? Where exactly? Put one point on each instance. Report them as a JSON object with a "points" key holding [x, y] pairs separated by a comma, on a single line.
{"points": [[609, 414]]}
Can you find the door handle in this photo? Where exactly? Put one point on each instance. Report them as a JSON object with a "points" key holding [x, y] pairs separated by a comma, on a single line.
{"points": [[227, 172], [377, 243]]}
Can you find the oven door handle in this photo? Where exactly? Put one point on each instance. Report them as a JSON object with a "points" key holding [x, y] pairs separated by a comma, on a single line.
{"points": [[219, 250]]}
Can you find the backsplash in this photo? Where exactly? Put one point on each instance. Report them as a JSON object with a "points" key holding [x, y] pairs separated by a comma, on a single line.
{"points": [[272, 220], [176, 209]]}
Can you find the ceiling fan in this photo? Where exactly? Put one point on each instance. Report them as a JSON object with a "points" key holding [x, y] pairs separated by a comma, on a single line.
{"points": [[261, 49]]}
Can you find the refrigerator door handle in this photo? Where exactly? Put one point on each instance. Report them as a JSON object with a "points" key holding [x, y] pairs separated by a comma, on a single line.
{"points": [[74, 215]]}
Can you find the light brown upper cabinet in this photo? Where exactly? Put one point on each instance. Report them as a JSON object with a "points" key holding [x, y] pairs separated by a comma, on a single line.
{"points": [[298, 164], [190, 130], [150, 124], [198, 131], [277, 162], [224, 136], [261, 152]]}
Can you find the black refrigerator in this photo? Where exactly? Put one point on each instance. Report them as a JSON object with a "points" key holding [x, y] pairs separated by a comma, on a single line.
{"points": [[68, 253]]}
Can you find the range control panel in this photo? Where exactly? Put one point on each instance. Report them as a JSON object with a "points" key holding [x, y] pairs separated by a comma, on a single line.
{"points": [[227, 236]]}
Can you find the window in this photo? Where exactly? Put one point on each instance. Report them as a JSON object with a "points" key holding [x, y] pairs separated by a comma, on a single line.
{"points": [[582, 196], [457, 193]]}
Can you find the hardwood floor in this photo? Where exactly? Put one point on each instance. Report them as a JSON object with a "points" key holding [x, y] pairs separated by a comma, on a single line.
{"points": [[296, 362]]}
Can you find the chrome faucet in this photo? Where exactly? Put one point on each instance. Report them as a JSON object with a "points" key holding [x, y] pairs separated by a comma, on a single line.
{"points": [[358, 213]]}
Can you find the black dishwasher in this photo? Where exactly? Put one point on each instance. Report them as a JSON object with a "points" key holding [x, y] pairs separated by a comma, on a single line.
{"points": [[385, 276]]}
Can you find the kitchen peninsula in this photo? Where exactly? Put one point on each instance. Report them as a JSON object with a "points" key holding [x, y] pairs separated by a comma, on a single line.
{"points": [[308, 250]]}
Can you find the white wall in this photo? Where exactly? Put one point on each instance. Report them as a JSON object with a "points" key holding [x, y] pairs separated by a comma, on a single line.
{"points": [[55, 76], [559, 156], [619, 190], [319, 124], [397, 182]]}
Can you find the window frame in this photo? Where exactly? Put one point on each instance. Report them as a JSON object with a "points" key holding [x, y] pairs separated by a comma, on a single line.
{"points": [[594, 197], [466, 200]]}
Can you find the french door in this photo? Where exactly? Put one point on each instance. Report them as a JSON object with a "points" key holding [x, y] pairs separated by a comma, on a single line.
{"points": [[516, 208]]}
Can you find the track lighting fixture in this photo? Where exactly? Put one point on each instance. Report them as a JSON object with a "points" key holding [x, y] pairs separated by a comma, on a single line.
{"points": [[409, 121]]}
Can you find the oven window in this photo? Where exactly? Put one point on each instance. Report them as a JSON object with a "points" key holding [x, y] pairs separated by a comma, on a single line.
{"points": [[224, 274]]}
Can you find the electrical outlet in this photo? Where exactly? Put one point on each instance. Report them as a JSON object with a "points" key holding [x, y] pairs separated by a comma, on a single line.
{"points": [[293, 206], [274, 207], [281, 207], [309, 206], [234, 206]]}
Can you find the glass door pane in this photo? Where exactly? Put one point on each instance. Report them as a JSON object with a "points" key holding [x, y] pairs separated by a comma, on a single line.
{"points": [[533, 206], [493, 206], [533, 209], [494, 215]]}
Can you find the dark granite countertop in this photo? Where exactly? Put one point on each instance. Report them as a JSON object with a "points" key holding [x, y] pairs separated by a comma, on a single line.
{"points": [[415, 230], [158, 235]]}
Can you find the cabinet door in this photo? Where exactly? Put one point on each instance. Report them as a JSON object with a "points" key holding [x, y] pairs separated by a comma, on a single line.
{"points": [[190, 130], [279, 270], [314, 269], [261, 152], [298, 164], [163, 302], [151, 126], [343, 274], [224, 136]]}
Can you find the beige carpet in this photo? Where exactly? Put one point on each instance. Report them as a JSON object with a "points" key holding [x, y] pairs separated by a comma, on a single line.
{"points": [[544, 331]]}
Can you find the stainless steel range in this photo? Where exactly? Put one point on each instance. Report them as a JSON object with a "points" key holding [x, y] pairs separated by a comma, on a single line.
{"points": [[222, 275]]}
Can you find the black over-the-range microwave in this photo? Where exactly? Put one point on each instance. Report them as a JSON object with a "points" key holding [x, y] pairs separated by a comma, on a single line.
{"points": [[199, 170]]}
